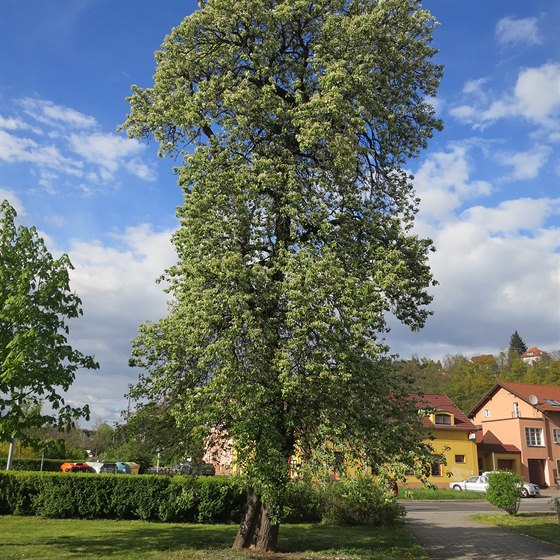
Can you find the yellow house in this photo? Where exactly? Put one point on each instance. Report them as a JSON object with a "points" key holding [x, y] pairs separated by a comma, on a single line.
{"points": [[452, 435], [447, 428]]}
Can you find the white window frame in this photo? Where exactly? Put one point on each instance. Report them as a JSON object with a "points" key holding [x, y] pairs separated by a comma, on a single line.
{"points": [[534, 437], [556, 435], [486, 413], [516, 410]]}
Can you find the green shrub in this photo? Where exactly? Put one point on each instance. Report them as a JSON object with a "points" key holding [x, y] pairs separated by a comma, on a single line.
{"points": [[17, 493], [303, 502], [23, 464], [360, 501], [220, 500], [190, 499], [146, 497], [555, 502], [181, 502], [503, 491]]}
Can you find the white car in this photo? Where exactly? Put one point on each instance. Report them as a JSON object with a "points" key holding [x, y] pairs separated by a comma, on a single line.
{"points": [[474, 484], [480, 484]]}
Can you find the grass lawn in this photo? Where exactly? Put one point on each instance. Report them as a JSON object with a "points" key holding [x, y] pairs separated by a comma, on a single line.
{"points": [[542, 526], [36, 538], [439, 494]]}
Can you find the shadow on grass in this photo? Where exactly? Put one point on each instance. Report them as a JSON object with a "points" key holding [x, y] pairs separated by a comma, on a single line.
{"points": [[147, 537], [128, 539], [314, 538]]}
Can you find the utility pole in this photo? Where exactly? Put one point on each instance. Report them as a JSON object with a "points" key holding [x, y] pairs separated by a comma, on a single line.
{"points": [[11, 454]]}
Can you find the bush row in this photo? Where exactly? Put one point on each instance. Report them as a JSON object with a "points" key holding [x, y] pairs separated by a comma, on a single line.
{"points": [[187, 499], [155, 498], [49, 465]]}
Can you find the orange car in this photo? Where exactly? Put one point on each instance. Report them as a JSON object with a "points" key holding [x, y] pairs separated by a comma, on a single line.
{"points": [[76, 467]]}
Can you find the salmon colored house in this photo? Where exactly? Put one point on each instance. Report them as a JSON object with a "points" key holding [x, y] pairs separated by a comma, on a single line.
{"points": [[451, 434], [521, 430]]}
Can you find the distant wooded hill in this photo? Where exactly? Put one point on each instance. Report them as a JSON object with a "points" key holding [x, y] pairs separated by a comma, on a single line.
{"points": [[465, 381]]}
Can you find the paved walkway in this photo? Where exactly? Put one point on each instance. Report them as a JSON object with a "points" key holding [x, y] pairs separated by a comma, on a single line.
{"points": [[451, 535]]}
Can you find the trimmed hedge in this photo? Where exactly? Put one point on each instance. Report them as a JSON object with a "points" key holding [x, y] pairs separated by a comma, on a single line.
{"points": [[49, 465], [188, 499], [93, 496]]}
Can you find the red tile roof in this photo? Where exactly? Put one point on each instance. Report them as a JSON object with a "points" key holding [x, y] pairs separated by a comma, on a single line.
{"points": [[532, 352], [543, 393], [483, 358], [546, 395], [443, 403]]}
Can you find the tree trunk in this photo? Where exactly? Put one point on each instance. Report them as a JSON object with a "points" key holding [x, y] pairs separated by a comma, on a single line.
{"points": [[256, 530]]}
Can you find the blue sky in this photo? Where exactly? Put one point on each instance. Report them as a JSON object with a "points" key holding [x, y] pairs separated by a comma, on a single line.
{"points": [[489, 183]]}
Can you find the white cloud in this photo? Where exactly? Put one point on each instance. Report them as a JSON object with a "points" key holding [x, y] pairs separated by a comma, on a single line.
{"points": [[477, 265], [14, 149], [49, 113], [475, 87], [513, 216], [497, 270], [110, 152], [116, 283], [443, 183], [13, 199], [465, 113], [10, 123], [534, 97], [137, 167], [537, 92], [106, 150], [510, 31], [70, 144], [497, 265], [525, 165]]}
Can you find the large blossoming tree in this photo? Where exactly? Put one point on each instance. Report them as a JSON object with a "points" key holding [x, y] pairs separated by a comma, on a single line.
{"points": [[292, 121]]}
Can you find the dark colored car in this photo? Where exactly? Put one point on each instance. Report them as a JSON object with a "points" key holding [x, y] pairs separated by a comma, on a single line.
{"points": [[198, 468]]}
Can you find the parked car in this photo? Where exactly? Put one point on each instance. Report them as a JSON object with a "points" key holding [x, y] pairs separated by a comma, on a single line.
{"points": [[103, 467], [528, 489], [76, 467], [474, 484], [196, 467], [480, 484]]}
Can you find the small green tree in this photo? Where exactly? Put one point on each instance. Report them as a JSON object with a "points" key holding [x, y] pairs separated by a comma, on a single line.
{"points": [[36, 362], [555, 502], [149, 428], [516, 344], [504, 491]]}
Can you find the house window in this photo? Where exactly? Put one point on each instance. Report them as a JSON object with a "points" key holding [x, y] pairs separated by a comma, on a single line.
{"points": [[556, 435], [436, 468], [516, 410], [443, 419], [338, 461], [486, 413], [460, 459], [533, 437]]}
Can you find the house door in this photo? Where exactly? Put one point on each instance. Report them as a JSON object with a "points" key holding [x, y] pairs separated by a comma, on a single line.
{"points": [[536, 472]]}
